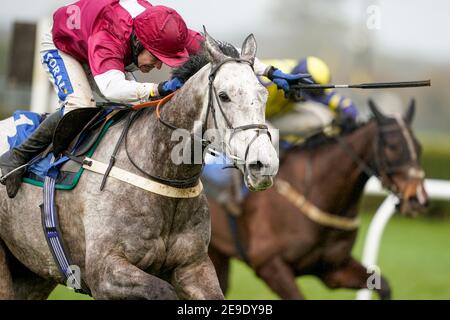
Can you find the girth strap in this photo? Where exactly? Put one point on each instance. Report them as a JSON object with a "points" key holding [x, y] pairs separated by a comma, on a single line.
{"points": [[50, 224], [141, 182]]}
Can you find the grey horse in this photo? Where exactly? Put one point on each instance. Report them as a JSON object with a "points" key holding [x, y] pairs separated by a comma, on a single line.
{"points": [[127, 242]]}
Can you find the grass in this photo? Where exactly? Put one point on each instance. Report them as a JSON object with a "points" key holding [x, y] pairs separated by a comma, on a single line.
{"points": [[414, 257]]}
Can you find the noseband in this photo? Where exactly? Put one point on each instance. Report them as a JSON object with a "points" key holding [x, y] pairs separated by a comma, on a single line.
{"points": [[380, 168], [211, 109], [385, 170]]}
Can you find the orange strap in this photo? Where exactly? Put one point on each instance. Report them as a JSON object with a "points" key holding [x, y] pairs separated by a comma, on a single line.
{"points": [[155, 103]]}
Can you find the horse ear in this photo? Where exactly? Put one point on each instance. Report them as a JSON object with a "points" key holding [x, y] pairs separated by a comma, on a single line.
{"points": [[249, 48], [410, 112], [212, 49], [376, 112]]}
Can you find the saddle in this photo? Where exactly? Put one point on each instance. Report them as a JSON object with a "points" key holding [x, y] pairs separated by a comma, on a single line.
{"points": [[78, 134], [72, 125]]}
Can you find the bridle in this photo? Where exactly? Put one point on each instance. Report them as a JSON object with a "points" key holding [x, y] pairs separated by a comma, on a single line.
{"points": [[380, 168], [389, 169], [211, 109]]}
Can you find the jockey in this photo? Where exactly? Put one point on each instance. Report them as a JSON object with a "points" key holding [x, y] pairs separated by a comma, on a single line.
{"points": [[94, 45], [319, 107]]}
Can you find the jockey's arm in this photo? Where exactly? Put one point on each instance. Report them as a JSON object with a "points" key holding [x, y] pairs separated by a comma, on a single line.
{"points": [[115, 87], [106, 64], [337, 102]]}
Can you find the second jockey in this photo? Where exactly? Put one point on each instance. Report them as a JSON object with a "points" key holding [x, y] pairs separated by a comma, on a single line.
{"points": [[92, 46], [317, 110]]}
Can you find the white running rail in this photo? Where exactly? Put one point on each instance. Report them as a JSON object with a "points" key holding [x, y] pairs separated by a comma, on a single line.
{"points": [[436, 189]]}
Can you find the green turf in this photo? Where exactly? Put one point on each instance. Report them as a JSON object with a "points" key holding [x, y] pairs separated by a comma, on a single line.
{"points": [[414, 257]]}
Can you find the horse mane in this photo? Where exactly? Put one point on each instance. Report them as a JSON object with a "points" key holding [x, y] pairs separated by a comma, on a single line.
{"points": [[198, 61]]}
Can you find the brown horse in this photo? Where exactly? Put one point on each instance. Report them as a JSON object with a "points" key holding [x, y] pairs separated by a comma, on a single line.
{"points": [[306, 224]]}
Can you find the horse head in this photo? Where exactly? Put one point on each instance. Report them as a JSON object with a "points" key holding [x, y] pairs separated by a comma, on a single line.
{"points": [[397, 159], [234, 109]]}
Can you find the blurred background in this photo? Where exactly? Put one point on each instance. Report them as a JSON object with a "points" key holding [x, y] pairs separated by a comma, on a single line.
{"points": [[362, 41]]}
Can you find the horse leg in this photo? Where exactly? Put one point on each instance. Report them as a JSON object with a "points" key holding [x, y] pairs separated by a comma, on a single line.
{"points": [[353, 275], [18, 282], [6, 284], [116, 278], [280, 277], [32, 287], [222, 265], [197, 281]]}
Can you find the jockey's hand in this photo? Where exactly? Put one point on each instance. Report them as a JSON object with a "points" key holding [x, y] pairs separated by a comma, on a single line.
{"points": [[283, 80], [346, 118], [351, 111], [167, 87]]}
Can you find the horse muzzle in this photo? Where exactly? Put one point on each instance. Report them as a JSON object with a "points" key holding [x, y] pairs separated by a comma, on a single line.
{"points": [[415, 202], [258, 176]]}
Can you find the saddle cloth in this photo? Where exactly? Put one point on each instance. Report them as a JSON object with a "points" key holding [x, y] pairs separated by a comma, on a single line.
{"points": [[68, 171]]}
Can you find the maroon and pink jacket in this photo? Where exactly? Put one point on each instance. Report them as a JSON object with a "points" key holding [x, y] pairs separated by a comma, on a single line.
{"points": [[101, 38]]}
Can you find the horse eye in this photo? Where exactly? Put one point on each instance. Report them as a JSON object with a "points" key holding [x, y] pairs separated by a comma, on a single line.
{"points": [[224, 97]]}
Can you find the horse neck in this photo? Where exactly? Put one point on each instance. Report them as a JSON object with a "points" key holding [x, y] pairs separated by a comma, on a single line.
{"points": [[150, 141], [362, 143], [337, 181]]}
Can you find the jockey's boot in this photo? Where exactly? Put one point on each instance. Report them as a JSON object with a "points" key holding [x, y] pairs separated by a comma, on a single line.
{"points": [[25, 152]]}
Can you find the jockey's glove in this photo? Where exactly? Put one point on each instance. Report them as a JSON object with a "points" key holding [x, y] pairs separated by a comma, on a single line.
{"points": [[283, 80], [350, 110], [167, 87], [345, 119]]}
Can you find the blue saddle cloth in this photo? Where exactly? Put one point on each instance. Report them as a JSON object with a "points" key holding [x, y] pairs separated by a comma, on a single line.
{"points": [[26, 123]]}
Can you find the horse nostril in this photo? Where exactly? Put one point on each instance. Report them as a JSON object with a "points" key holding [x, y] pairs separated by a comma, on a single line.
{"points": [[256, 166], [415, 200]]}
